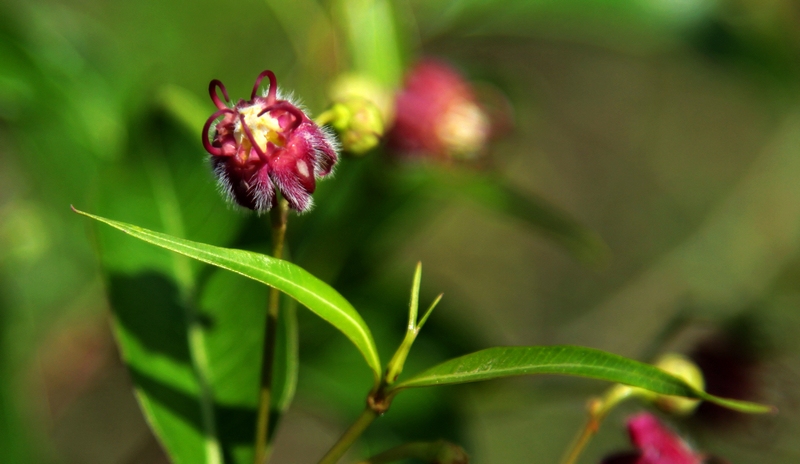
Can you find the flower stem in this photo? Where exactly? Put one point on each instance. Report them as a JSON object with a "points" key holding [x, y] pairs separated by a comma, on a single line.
{"points": [[349, 437], [278, 216]]}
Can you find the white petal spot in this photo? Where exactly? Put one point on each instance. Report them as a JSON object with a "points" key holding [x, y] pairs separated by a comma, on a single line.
{"points": [[302, 168]]}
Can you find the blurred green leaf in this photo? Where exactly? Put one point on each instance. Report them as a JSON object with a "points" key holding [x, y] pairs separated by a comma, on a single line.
{"points": [[579, 361], [185, 107], [655, 24], [190, 334], [372, 36], [286, 277], [497, 194], [287, 362]]}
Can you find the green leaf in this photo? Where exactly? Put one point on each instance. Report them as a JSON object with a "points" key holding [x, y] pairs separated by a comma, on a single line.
{"points": [[372, 36], [190, 334], [578, 361], [395, 366], [184, 106], [287, 362], [495, 193], [296, 282]]}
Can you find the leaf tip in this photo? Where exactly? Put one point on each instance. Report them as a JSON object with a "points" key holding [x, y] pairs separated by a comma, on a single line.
{"points": [[772, 410], [418, 271], [429, 311]]}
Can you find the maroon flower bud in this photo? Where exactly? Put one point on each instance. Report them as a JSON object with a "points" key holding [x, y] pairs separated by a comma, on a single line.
{"points": [[264, 144], [436, 113]]}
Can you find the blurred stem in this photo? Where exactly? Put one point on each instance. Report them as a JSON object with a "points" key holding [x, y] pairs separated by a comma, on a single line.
{"points": [[278, 216], [350, 436], [580, 442], [326, 117], [598, 410], [441, 452], [372, 37]]}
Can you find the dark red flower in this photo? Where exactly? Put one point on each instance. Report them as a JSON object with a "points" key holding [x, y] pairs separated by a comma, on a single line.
{"points": [[656, 444], [437, 113], [264, 144]]}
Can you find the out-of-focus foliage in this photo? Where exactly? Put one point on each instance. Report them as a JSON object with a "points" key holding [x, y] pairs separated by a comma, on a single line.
{"points": [[668, 127]]}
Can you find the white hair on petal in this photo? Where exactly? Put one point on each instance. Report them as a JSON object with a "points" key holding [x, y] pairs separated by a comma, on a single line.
{"points": [[282, 183], [224, 185], [309, 206], [330, 139], [289, 96], [263, 195]]}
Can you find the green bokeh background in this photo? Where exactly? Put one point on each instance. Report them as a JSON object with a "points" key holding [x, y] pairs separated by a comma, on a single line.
{"points": [[671, 128]]}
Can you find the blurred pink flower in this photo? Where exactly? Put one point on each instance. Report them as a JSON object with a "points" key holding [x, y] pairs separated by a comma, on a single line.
{"points": [[656, 444], [437, 114]]}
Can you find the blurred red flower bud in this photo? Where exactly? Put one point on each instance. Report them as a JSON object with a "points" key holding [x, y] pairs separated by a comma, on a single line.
{"points": [[267, 143], [437, 114]]}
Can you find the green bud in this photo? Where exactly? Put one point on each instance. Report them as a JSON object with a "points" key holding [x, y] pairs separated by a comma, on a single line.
{"points": [[359, 85], [359, 124], [683, 368]]}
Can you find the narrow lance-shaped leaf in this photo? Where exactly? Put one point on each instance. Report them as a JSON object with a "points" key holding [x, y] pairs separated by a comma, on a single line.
{"points": [[289, 278], [579, 361]]}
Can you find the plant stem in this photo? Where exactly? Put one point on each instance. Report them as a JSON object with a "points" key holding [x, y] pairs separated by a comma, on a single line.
{"points": [[327, 117], [438, 452], [598, 410], [349, 437], [591, 427], [278, 216]]}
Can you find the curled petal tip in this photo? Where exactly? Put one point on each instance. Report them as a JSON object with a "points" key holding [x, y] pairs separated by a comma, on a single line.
{"points": [[214, 151], [212, 90], [273, 86]]}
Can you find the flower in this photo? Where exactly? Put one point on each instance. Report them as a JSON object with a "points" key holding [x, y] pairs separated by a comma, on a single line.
{"points": [[267, 143], [436, 113], [657, 444]]}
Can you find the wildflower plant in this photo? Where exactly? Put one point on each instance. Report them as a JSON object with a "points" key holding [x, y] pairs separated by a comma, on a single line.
{"points": [[267, 155], [219, 397]]}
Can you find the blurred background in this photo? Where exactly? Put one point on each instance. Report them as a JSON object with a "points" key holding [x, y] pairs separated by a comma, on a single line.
{"points": [[669, 130]]}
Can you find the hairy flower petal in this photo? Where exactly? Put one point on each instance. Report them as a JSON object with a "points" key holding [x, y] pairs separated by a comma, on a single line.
{"points": [[267, 145]]}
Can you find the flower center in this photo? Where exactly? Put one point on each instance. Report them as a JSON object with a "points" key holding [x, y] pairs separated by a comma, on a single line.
{"points": [[463, 128], [264, 129]]}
